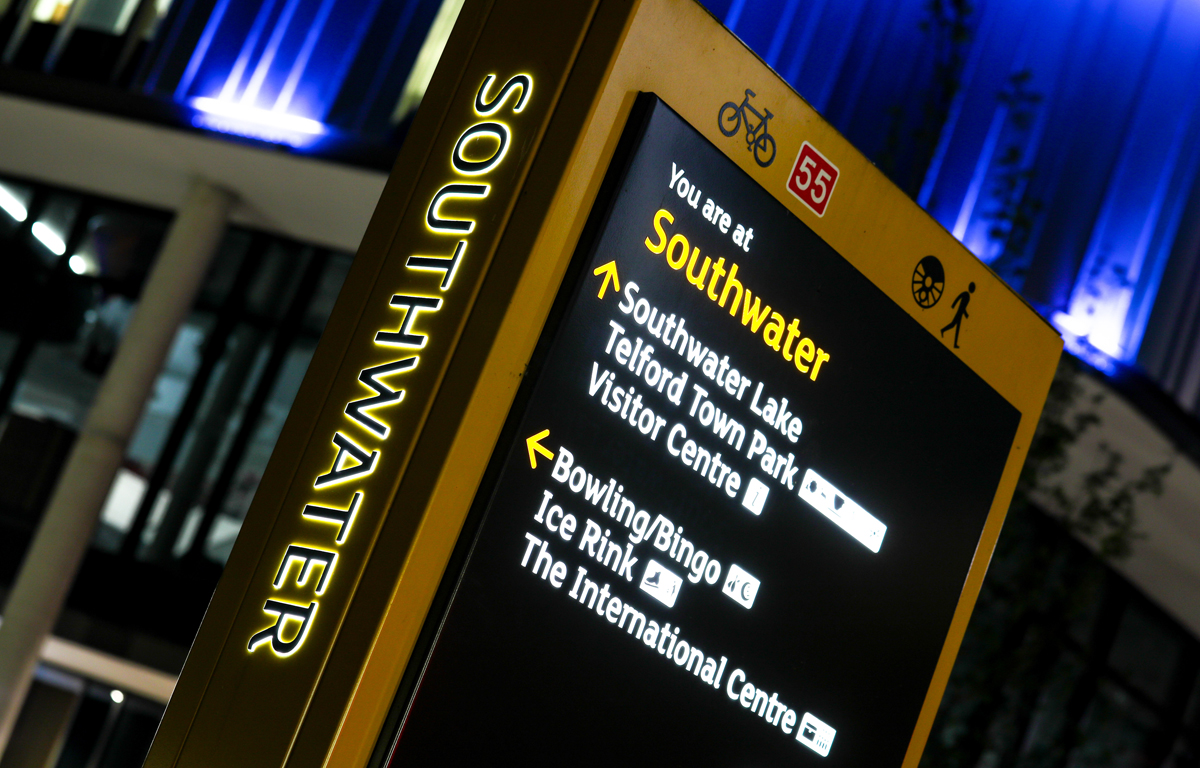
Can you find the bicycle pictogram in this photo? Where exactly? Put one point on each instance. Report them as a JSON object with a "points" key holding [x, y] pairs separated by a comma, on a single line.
{"points": [[731, 117]]}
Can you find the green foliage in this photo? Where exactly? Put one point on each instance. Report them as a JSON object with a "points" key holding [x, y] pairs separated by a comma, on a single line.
{"points": [[1023, 687], [1012, 221], [947, 25], [1106, 513]]}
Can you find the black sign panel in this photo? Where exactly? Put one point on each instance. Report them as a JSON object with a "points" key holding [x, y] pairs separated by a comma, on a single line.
{"points": [[740, 499]]}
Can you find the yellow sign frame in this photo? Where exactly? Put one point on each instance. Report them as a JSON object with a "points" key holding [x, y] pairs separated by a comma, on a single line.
{"points": [[315, 690]]}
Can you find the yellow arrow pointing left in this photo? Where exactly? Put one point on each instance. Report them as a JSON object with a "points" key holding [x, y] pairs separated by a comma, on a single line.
{"points": [[534, 444]]}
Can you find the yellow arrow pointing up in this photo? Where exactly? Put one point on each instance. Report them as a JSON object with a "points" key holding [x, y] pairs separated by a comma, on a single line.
{"points": [[534, 444], [609, 271]]}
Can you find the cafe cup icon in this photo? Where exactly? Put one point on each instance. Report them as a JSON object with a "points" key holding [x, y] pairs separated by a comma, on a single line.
{"points": [[740, 586]]}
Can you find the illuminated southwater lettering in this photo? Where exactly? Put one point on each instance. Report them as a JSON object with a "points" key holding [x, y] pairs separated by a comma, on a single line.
{"points": [[385, 395], [405, 337], [292, 621], [781, 336], [274, 634], [308, 558], [447, 265], [342, 470], [484, 107], [497, 131], [343, 518], [434, 218]]}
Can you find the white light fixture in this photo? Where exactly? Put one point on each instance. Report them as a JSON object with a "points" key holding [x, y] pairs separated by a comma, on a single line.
{"points": [[49, 238], [116, 696], [265, 117], [78, 264], [1072, 324], [11, 205]]}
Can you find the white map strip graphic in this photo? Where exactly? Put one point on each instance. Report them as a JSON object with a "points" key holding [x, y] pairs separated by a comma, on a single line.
{"points": [[838, 507]]}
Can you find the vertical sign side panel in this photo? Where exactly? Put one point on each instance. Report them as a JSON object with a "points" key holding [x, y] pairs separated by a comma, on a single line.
{"points": [[256, 527], [470, 407], [278, 645]]}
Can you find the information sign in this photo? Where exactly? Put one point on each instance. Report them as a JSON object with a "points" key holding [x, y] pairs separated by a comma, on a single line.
{"points": [[652, 424], [740, 504]]}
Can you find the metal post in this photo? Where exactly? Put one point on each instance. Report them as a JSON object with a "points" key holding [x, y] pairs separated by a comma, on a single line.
{"points": [[20, 29], [143, 19], [66, 30], [66, 529]]}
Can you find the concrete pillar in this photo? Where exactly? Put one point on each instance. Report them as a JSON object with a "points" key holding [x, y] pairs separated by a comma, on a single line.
{"points": [[67, 526], [41, 731]]}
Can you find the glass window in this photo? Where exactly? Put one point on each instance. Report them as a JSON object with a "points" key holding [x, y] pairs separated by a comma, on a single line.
{"points": [[119, 246], [51, 11], [76, 316], [1048, 722], [1146, 652], [1065, 664], [158, 417], [109, 16], [191, 470], [1114, 731], [258, 450], [164, 412], [231, 510], [209, 441]]}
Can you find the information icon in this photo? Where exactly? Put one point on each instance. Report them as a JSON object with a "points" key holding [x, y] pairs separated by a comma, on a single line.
{"points": [[815, 735], [928, 281], [661, 584], [756, 496]]}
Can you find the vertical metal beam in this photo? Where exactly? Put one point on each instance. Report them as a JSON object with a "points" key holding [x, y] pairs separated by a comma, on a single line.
{"points": [[63, 35], [143, 19], [20, 29], [66, 529]]}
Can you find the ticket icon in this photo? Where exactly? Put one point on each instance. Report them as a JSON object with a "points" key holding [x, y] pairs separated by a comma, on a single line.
{"points": [[815, 735], [661, 584]]}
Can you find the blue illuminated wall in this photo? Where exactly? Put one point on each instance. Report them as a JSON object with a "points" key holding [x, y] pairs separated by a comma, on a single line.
{"points": [[1066, 157], [289, 71], [1104, 156]]}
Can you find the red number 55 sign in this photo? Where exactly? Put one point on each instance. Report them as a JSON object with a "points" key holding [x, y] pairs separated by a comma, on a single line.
{"points": [[812, 179]]}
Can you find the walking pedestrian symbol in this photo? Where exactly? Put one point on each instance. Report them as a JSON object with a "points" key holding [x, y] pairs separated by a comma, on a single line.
{"points": [[961, 314]]}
